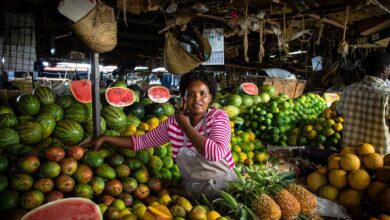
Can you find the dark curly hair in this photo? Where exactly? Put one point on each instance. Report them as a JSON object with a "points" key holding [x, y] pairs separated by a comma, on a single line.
{"points": [[208, 79]]}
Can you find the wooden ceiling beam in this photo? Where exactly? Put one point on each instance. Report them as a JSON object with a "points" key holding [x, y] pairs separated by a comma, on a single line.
{"points": [[326, 20], [373, 25]]}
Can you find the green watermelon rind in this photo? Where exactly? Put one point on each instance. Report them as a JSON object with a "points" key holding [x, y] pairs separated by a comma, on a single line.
{"points": [[45, 95], [8, 136], [69, 132], [53, 109], [28, 104], [115, 117], [76, 112], [37, 213], [8, 120], [47, 122], [30, 133]]}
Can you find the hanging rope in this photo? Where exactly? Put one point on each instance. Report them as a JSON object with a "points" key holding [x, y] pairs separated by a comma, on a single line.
{"points": [[246, 32], [343, 47], [262, 38]]}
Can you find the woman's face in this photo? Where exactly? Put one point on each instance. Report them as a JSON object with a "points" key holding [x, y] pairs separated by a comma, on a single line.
{"points": [[197, 98]]}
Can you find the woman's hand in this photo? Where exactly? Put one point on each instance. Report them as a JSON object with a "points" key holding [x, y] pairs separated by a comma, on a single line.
{"points": [[182, 118], [95, 144]]}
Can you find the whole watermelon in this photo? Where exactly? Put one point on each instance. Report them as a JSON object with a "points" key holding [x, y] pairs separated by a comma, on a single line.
{"points": [[47, 122], [136, 109], [8, 120], [88, 127], [232, 99], [155, 109], [69, 132], [45, 95], [65, 101], [247, 101], [115, 118], [54, 110], [5, 109], [30, 132], [76, 112], [168, 109], [8, 136], [28, 104]]}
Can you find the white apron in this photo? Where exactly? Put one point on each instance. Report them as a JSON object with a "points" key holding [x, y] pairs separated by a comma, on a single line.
{"points": [[201, 175]]}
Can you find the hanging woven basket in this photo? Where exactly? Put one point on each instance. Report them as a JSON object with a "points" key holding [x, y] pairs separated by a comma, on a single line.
{"points": [[178, 60], [98, 29]]}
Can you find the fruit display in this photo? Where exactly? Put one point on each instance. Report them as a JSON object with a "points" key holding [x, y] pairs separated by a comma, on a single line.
{"points": [[247, 150], [41, 162], [352, 175], [269, 196], [276, 120], [325, 132]]}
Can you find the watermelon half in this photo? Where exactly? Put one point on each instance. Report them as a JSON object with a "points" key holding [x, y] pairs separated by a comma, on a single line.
{"points": [[159, 94], [81, 90], [69, 208], [249, 88], [119, 96]]}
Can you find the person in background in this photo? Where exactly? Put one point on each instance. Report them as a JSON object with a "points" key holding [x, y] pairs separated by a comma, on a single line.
{"points": [[365, 106], [199, 135]]}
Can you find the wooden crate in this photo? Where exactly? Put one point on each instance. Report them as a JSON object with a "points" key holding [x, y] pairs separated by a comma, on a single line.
{"points": [[291, 87]]}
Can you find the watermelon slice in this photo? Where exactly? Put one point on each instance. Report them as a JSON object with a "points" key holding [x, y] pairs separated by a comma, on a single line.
{"points": [[81, 90], [159, 94], [69, 208], [120, 97], [249, 88]]}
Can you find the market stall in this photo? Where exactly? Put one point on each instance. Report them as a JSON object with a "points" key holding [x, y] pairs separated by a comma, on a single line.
{"points": [[280, 69]]}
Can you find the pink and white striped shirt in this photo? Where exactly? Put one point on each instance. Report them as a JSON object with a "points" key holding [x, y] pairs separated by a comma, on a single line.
{"points": [[216, 146]]}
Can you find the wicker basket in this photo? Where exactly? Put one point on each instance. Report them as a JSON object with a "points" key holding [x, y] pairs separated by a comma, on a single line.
{"points": [[98, 29]]}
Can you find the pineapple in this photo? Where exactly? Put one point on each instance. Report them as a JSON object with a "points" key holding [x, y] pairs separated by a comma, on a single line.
{"points": [[252, 194], [289, 205], [266, 208], [272, 181], [307, 200]]}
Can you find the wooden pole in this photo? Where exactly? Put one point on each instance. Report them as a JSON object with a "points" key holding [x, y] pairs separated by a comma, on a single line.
{"points": [[95, 79]]}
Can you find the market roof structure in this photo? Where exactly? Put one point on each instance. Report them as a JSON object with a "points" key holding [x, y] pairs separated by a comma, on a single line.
{"points": [[316, 26]]}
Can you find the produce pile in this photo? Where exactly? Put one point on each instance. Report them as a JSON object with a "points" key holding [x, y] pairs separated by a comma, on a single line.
{"points": [[40, 160], [265, 194], [279, 120], [353, 175]]}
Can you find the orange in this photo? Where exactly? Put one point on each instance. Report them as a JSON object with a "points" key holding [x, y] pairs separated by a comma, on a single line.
{"points": [[364, 149]]}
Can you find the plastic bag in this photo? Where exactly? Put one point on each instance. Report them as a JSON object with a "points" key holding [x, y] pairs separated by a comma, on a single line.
{"points": [[329, 208]]}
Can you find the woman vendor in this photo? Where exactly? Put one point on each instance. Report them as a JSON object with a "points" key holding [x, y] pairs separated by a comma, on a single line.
{"points": [[199, 136]]}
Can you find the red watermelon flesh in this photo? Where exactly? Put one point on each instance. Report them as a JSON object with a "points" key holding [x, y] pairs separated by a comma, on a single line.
{"points": [[65, 209], [120, 97], [250, 88], [159, 94], [81, 90]]}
